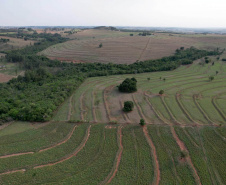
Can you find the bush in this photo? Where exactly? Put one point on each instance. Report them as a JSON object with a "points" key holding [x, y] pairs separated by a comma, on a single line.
{"points": [[211, 78], [142, 123], [128, 85], [128, 106], [161, 92]]}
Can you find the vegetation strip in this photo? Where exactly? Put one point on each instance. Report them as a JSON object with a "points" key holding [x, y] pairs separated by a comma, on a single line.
{"points": [[201, 110], [151, 144], [81, 146], [188, 158], [70, 134], [218, 108], [117, 159], [139, 109]]}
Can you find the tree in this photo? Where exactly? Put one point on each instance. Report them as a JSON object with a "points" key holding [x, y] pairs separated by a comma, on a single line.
{"points": [[148, 79], [164, 79], [217, 72], [211, 78], [128, 106], [128, 85], [131, 34], [142, 122], [100, 45], [161, 92]]}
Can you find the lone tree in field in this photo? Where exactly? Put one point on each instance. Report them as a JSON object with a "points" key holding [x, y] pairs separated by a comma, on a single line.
{"points": [[217, 72], [148, 79], [161, 92], [100, 45], [142, 122], [128, 106], [128, 85], [211, 78]]}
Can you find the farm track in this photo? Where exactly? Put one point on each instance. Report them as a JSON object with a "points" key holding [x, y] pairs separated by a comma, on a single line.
{"points": [[78, 149], [144, 49], [188, 158], [117, 159], [154, 155]]}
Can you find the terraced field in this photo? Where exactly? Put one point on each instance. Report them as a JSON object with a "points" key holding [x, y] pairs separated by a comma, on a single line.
{"points": [[120, 47], [183, 141]]}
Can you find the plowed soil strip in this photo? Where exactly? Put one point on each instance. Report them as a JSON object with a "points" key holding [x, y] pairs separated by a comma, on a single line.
{"points": [[12, 155], [14, 171], [81, 146], [117, 159], [188, 158], [153, 150], [60, 142]]}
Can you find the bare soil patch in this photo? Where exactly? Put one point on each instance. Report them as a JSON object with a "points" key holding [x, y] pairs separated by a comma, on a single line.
{"points": [[5, 77]]}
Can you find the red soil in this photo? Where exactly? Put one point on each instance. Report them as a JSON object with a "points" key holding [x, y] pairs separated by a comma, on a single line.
{"points": [[18, 154], [5, 78], [14, 171], [151, 144]]}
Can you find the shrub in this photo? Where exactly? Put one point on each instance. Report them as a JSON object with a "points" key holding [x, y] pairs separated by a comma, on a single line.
{"points": [[128, 106], [161, 92], [142, 123], [211, 78], [100, 45], [128, 85]]}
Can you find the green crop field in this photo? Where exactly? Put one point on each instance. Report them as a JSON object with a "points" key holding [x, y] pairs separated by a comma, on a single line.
{"points": [[92, 141]]}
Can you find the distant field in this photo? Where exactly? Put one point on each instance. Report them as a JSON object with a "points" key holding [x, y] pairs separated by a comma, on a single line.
{"points": [[182, 143], [119, 47], [14, 43]]}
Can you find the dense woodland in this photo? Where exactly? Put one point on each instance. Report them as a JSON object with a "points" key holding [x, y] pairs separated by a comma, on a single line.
{"points": [[47, 83]]}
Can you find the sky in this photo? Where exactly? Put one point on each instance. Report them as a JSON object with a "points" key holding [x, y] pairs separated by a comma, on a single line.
{"points": [[144, 13]]}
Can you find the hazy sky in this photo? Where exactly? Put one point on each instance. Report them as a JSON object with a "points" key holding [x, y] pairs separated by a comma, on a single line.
{"points": [[159, 13]]}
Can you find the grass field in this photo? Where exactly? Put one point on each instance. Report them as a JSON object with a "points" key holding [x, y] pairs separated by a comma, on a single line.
{"points": [[183, 141], [120, 47]]}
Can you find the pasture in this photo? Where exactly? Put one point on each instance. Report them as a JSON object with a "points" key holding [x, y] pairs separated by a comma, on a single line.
{"points": [[119, 47], [92, 141]]}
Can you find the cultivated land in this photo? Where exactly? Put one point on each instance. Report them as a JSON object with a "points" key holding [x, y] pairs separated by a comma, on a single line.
{"points": [[120, 47], [14, 43], [183, 141]]}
